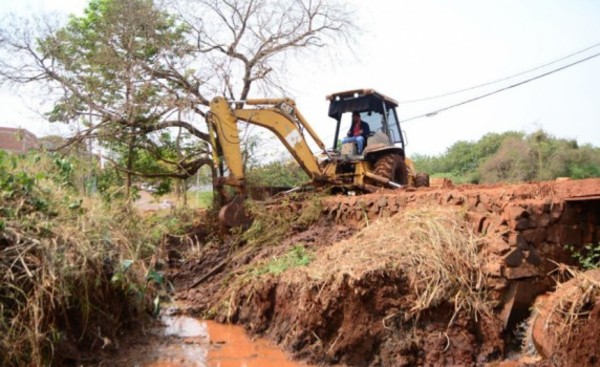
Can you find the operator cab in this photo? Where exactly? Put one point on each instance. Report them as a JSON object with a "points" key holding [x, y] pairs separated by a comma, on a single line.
{"points": [[376, 109]]}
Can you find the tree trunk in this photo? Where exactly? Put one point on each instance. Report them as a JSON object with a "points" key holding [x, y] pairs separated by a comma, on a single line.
{"points": [[129, 177]]}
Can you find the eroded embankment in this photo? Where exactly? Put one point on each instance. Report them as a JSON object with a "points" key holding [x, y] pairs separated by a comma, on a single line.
{"points": [[528, 229], [372, 300]]}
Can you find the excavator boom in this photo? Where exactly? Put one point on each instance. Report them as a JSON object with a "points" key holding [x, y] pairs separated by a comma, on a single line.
{"points": [[277, 115]]}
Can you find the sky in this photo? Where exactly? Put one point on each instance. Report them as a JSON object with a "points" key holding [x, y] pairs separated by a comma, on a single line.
{"points": [[414, 49]]}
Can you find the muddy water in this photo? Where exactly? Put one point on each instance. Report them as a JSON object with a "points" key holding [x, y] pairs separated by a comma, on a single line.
{"points": [[185, 341]]}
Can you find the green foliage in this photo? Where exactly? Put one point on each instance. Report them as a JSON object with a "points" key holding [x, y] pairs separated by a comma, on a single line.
{"points": [[584, 170], [18, 189], [65, 170], [297, 256], [461, 161], [108, 184], [513, 157], [512, 163], [283, 174], [588, 257], [122, 280], [104, 51], [163, 147], [113, 60], [163, 188]]}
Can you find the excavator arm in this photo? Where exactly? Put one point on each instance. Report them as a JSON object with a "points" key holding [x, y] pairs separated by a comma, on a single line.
{"points": [[277, 115]]}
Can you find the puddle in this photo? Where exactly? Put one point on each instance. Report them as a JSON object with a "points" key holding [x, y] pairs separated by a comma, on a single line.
{"points": [[236, 349], [189, 342], [184, 327]]}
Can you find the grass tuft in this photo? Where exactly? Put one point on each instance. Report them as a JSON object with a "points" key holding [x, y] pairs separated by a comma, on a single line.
{"points": [[435, 248], [297, 256], [574, 302]]}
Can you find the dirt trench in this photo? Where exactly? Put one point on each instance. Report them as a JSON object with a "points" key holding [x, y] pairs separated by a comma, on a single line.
{"points": [[360, 318]]}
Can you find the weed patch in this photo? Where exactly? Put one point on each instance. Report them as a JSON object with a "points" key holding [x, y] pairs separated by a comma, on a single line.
{"points": [[297, 256], [271, 224]]}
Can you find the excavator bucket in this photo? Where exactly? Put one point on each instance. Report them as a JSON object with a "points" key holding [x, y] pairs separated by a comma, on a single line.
{"points": [[233, 214]]}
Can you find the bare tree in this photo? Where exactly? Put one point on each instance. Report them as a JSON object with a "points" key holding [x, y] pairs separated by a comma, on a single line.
{"points": [[242, 43]]}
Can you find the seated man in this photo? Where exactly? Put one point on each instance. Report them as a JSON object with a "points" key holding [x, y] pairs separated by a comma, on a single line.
{"points": [[359, 131]]}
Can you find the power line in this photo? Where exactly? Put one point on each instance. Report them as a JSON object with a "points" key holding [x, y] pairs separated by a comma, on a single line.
{"points": [[435, 112], [501, 79], [432, 113]]}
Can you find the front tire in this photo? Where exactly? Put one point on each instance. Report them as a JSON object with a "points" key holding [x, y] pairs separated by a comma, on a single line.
{"points": [[422, 180], [392, 167]]}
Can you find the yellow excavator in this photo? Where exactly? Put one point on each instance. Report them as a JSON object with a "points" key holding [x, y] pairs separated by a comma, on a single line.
{"points": [[382, 163]]}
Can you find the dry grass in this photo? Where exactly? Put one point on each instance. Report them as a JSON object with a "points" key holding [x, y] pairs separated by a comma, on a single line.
{"points": [[434, 248], [72, 270], [574, 302]]}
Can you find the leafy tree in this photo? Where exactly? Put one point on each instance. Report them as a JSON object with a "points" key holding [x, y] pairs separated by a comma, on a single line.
{"points": [[461, 160], [512, 163], [100, 64], [586, 163], [512, 157], [128, 70]]}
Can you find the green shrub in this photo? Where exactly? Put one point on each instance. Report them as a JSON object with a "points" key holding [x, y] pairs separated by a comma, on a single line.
{"points": [[588, 256]]}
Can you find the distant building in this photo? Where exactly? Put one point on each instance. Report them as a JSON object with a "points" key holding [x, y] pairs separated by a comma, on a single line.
{"points": [[17, 140]]}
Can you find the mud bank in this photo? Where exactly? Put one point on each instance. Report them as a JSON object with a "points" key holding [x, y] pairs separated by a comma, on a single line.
{"points": [[364, 314], [362, 322]]}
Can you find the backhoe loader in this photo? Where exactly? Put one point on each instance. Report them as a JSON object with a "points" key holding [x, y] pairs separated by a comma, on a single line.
{"points": [[382, 163]]}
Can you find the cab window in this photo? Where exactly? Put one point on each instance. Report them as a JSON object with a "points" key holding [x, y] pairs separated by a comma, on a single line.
{"points": [[393, 128]]}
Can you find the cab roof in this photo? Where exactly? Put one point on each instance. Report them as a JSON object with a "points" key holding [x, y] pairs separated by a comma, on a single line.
{"points": [[358, 100]]}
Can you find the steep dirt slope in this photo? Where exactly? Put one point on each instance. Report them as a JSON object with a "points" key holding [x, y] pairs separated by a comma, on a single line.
{"points": [[358, 302]]}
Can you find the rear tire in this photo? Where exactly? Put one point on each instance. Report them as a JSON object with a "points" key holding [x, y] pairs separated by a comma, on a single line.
{"points": [[422, 180], [392, 167]]}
